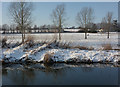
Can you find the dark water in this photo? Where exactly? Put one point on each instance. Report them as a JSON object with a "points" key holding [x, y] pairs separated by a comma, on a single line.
{"points": [[60, 74]]}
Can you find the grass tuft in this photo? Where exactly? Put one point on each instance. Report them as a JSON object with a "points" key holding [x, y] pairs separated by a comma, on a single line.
{"points": [[4, 42], [107, 47]]}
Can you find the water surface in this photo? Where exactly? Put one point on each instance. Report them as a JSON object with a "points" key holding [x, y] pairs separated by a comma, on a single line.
{"points": [[60, 74]]}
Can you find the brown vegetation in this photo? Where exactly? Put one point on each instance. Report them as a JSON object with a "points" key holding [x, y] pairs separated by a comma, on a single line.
{"points": [[68, 46], [107, 47], [4, 42], [48, 58], [30, 40]]}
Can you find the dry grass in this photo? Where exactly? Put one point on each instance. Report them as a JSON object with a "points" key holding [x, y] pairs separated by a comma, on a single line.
{"points": [[64, 45], [30, 41], [54, 37], [30, 38], [107, 47], [83, 48], [67, 45], [48, 58], [4, 42]]}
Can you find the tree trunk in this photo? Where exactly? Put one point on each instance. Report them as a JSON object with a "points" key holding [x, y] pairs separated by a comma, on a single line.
{"points": [[59, 28], [108, 32], [108, 35], [22, 38], [59, 34], [24, 34], [22, 23], [85, 33]]}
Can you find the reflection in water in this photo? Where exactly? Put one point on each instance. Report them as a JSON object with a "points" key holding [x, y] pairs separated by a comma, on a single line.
{"points": [[4, 72], [87, 69], [19, 76], [59, 73], [55, 72]]}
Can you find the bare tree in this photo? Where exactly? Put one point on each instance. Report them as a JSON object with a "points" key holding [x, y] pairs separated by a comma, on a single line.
{"points": [[109, 22], [21, 14], [85, 18], [103, 24], [58, 17]]}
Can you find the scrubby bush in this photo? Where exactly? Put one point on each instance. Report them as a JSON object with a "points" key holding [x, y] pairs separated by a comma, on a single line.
{"points": [[67, 45], [30, 41], [4, 42], [48, 58], [107, 47], [30, 38]]}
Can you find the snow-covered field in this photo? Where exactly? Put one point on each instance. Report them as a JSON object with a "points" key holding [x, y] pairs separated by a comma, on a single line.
{"points": [[94, 39], [65, 55]]}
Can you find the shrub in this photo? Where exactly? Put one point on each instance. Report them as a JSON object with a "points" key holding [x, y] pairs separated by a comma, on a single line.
{"points": [[48, 58], [30, 38], [107, 47], [30, 41], [68, 46], [82, 48], [64, 45], [4, 42]]}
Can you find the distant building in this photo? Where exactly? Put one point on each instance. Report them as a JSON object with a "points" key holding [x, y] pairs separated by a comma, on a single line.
{"points": [[100, 30]]}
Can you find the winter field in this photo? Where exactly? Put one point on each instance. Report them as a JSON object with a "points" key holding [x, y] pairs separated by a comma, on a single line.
{"points": [[72, 48], [94, 39]]}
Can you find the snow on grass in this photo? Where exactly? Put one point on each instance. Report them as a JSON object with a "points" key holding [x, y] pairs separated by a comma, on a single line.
{"points": [[12, 55], [94, 39], [38, 52], [9, 51], [80, 55], [31, 52], [64, 55]]}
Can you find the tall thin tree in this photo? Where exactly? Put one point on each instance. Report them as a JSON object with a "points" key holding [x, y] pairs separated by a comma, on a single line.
{"points": [[103, 24], [109, 17], [58, 17], [85, 18], [21, 14]]}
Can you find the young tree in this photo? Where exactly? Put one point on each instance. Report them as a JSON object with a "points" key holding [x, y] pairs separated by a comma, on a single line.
{"points": [[21, 14], [58, 17], [85, 18], [103, 24], [109, 22]]}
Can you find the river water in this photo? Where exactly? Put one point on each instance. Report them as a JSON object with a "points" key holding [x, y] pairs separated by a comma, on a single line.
{"points": [[60, 74]]}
